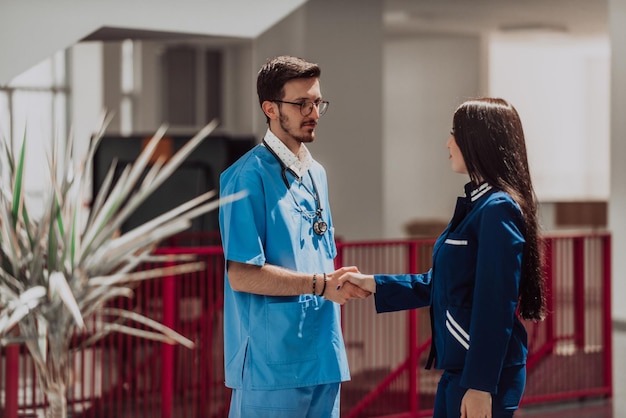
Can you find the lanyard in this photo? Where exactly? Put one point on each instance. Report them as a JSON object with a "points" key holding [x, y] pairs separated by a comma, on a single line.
{"points": [[319, 226]]}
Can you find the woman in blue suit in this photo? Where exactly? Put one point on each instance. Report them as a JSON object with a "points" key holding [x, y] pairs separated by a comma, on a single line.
{"points": [[486, 273]]}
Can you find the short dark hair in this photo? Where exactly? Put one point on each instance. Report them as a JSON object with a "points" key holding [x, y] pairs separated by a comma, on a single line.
{"points": [[277, 71]]}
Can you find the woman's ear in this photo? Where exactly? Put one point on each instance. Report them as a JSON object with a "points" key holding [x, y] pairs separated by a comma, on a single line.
{"points": [[270, 109]]}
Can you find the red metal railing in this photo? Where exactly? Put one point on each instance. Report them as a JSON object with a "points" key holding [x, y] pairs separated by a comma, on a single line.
{"points": [[121, 376], [569, 352]]}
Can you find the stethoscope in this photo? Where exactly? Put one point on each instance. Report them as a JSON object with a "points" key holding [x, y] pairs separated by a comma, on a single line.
{"points": [[319, 226]]}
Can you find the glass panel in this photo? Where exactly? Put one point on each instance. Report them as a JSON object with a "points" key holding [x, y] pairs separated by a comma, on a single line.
{"points": [[32, 118], [5, 131], [59, 75], [128, 83], [214, 82], [59, 115], [32, 110], [181, 86], [60, 129]]}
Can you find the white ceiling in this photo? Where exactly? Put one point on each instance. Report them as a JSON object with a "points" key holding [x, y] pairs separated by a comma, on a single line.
{"points": [[576, 17], [55, 29], [419, 17], [33, 30]]}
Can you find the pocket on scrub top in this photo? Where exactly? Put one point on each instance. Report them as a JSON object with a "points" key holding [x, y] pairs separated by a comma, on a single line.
{"points": [[292, 329]]}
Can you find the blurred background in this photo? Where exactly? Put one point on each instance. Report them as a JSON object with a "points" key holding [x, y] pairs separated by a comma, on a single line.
{"points": [[393, 70]]}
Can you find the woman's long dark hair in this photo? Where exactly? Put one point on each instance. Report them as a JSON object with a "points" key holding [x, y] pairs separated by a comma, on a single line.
{"points": [[489, 133]]}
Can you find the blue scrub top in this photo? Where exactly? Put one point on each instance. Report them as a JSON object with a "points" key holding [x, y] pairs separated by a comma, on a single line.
{"points": [[279, 342]]}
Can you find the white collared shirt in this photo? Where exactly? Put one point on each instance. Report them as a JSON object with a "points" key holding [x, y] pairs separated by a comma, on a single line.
{"points": [[298, 163]]}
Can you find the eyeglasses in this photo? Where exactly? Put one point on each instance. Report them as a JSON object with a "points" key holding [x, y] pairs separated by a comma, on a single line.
{"points": [[306, 107]]}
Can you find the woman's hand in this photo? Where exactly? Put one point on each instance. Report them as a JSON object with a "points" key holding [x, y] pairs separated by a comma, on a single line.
{"points": [[476, 404], [364, 281], [335, 290]]}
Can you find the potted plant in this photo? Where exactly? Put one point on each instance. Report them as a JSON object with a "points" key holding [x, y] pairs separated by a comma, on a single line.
{"points": [[58, 271]]}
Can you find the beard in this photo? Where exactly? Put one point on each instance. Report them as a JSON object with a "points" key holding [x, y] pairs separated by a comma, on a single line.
{"points": [[303, 133]]}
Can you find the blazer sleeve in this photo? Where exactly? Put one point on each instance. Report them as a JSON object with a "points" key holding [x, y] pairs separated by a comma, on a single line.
{"points": [[402, 292]]}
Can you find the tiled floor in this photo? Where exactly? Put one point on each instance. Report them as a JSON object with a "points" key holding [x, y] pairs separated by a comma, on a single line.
{"points": [[584, 409], [614, 408]]}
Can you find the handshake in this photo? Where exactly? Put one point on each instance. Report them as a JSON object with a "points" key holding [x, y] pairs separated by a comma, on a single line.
{"points": [[348, 283]]}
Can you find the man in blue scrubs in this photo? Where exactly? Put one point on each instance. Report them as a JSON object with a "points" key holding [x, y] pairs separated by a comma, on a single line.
{"points": [[283, 345]]}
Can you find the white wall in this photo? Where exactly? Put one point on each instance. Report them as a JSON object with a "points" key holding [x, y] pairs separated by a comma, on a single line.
{"points": [[425, 79], [346, 38], [286, 37], [617, 203], [240, 80]]}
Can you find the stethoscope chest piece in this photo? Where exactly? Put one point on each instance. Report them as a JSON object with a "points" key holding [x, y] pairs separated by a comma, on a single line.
{"points": [[319, 227]]}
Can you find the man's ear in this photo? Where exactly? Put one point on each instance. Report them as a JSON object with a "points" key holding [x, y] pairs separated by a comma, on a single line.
{"points": [[270, 109]]}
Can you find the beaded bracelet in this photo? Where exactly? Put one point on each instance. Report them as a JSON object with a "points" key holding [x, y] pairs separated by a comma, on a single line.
{"points": [[314, 280], [324, 287]]}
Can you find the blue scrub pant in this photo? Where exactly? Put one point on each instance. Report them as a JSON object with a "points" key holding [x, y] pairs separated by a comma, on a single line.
{"points": [[320, 401], [504, 403]]}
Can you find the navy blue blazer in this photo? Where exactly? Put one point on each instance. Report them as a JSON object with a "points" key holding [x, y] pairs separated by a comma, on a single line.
{"points": [[472, 289]]}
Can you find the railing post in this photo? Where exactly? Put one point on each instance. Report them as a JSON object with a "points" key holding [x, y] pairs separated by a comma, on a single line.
{"points": [[413, 355], [339, 257], [413, 364], [579, 291], [607, 332], [167, 365], [12, 380], [339, 264], [550, 287]]}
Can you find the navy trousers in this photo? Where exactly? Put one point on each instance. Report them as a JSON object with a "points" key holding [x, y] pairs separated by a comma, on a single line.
{"points": [[504, 403]]}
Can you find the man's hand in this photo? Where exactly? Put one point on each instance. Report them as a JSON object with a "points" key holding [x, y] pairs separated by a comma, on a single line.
{"points": [[340, 293]]}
